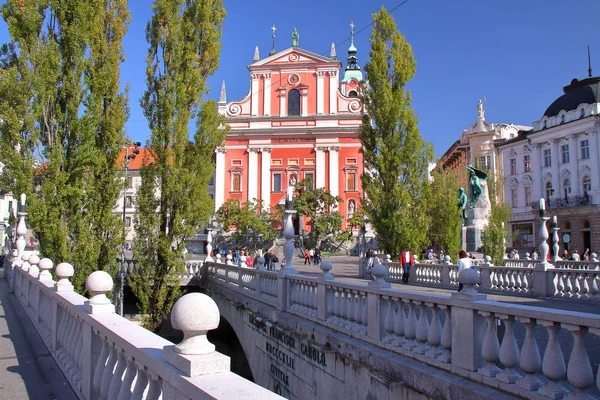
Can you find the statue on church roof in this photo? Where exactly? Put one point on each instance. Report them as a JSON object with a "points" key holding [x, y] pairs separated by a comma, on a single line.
{"points": [[295, 37], [480, 112]]}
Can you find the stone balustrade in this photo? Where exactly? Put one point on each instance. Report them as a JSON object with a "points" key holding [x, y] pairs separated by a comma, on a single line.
{"points": [[103, 355], [458, 333]]}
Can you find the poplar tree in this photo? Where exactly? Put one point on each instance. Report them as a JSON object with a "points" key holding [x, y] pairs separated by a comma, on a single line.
{"points": [[62, 116], [396, 157], [446, 216], [173, 200]]}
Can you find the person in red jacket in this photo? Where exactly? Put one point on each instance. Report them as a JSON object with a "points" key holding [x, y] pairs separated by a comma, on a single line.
{"points": [[406, 260]]}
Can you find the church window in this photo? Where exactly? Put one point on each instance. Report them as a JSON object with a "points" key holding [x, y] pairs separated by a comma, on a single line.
{"points": [[562, 119], [353, 93], [582, 113], [277, 182], [351, 181], [294, 102], [236, 182], [585, 149], [310, 180]]}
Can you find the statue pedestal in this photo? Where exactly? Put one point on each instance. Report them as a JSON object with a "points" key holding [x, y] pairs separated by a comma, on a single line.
{"points": [[476, 222]]}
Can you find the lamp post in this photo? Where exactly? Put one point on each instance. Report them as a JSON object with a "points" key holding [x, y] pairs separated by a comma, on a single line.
{"points": [[128, 157], [364, 234]]}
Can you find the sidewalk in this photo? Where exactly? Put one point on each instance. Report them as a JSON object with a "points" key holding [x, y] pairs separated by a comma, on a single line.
{"points": [[27, 370]]}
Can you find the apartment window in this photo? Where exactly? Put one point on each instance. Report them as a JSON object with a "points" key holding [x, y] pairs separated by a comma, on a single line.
{"points": [[567, 187], [587, 185], [128, 201], [514, 197], [484, 162], [527, 163], [564, 152], [513, 166], [585, 149], [236, 182], [547, 158], [127, 222], [549, 190], [310, 180], [351, 181], [277, 182], [527, 195], [294, 102]]}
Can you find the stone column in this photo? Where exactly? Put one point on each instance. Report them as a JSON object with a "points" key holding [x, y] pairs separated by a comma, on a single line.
{"points": [[334, 184], [595, 176], [320, 92], [304, 96], [254, 90], [333, 88], [265, 178], [282, 109], [219, 177], [267, 94], [536, 171], [575, 181], [555, 170], [320, 167], [252, 173]]}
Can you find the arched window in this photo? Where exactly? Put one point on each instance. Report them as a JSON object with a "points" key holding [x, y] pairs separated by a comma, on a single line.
{"points": [[567, 187], [352, 93], [586, 224], [294, 102], [549, 190]]}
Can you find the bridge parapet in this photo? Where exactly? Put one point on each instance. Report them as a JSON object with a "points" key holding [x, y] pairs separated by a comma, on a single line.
{"points": [[105, 356], [458, 333]]}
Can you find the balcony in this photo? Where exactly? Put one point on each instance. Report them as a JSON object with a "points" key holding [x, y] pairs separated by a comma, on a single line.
{"points": [[576, 201]]}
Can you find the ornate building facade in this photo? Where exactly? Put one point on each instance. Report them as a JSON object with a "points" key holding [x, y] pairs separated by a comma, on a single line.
{"points": [[300, 120], [558, 160]]}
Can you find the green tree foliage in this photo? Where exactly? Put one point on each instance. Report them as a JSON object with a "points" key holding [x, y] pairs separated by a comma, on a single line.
{"points": [[63, 119], [493, 237], [321, 209], [446, 220], [250, 228], [173, 199], [396, 157]]}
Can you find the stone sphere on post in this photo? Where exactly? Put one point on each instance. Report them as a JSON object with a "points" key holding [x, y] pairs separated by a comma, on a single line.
{"points": [[45, 266], [469, 278], [34, 269], [195, 314], [326, 267], [64, 271], [98, 283]]}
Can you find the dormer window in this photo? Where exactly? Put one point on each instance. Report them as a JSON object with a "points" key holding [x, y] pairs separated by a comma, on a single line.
{"points": [[353, 93], [562, 119], [582, 113], [545, 124], [294, 102]]}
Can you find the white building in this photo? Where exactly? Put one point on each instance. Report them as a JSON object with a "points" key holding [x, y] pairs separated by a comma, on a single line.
{"points": [[558, 160]]}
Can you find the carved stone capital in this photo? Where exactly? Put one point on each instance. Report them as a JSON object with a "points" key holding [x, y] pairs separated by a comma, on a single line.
{"points": [[253, 149], [334, 148], [220, 150], [255, 76], [321, 74], [266, 75], [266, 149], [321, 148], [333, 74]]}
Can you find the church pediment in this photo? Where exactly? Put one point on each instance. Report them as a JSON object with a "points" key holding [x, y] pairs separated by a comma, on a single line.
{"points": [[293, 55]]}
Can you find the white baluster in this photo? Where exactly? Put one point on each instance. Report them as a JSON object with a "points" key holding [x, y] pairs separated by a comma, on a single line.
{"points": [[422, 330], [579, 370], [435, 332], [141, 383], [553, 365], [509, 352], [531, 361], [350, 311], [446, 341], [100, 365], [388, 324], [399, 323], [490, 349], [117, 379], [410, 327], [108, 374], [130, 373]]}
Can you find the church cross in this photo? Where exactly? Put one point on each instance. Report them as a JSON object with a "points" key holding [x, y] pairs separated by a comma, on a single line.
{"points": [[273, 29]]}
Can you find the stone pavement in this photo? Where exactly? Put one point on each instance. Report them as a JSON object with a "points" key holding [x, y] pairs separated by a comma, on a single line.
{"points": [[346, 269], [27, 370]]}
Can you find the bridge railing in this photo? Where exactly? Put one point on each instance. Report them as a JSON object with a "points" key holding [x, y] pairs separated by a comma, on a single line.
{"points": [[459, 333], [105, 356]]}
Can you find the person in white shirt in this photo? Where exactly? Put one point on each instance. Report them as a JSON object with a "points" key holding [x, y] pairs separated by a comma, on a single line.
{"points": [[463, 262]]}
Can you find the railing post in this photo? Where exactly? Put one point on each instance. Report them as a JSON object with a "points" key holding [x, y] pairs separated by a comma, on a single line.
{"points": [[542, 284], [374, 322], [485, 275], [446, 282], [468, 329], [322, 290]]}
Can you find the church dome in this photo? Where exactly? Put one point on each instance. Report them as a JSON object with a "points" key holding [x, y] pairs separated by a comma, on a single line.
{"points": [[578, 92]]}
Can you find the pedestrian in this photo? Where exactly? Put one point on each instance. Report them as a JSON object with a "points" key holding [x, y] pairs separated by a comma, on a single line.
{"points": [[242, 261], [317, 259], [306, 257], [312, 255], [249, 260], [268, 257], [586, 255], [463, 262], [406, 260], [566, 255], [370, 263], [575, 256], [274, 260]]}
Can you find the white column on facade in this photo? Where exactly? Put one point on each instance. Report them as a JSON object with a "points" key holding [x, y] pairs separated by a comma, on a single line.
{"points": [[594, 154], [265, 178], [334, 183], [219, 177], [255, 92], [536, 170], [320, 92], [252, 173], [304, 96], [320, 167], [555, 154], [333, 87], [282, 109], [267, 94], [574, 166]]}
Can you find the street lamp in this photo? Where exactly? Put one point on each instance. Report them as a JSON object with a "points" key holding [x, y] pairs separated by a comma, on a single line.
{"points": [[364, 233], [128, 157]]}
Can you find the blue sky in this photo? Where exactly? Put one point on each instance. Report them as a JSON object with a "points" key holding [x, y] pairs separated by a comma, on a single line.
{"points": [[516, 53]]}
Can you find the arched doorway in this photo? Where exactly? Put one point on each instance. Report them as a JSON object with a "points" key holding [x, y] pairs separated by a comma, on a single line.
{"points": [[586, 236], [227, 342]]}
